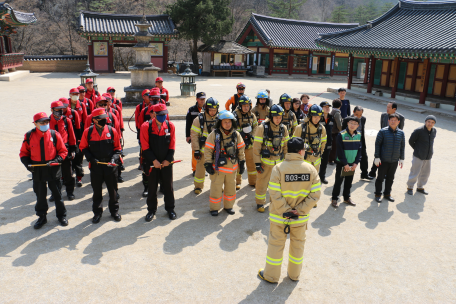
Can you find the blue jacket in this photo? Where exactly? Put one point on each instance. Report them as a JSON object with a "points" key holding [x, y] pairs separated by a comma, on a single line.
{"points": [[390, 145]]}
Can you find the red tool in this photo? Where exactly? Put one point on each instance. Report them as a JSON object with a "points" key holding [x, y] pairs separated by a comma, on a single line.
{"points": [[173, 162], [44, 165]]}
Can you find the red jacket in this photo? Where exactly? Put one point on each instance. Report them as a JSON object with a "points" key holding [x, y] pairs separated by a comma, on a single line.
{"points": [[91, 95], [138, 112], [118, 112], [114, 123], [164, 94], [104, 150], [88, 105], [158, 144], [117, 102], [33, 150], [67, 133], [82, 111], [75, 120]]}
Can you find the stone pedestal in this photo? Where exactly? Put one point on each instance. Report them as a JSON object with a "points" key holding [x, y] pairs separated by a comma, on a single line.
{"points": [[143, 73]]}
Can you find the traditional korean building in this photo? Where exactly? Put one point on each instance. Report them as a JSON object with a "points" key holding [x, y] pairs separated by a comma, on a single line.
{"points": [[10, 19], [106, 31], [410, 50], [286, 46]]}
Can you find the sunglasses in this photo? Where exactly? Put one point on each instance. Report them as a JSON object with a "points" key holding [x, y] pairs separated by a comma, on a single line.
{"points": [[241, 89], [147, 94], [102, 104], [112, 91]]}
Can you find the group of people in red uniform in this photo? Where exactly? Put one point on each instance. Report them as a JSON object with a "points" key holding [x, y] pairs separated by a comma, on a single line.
{"points": [[89, 124]]}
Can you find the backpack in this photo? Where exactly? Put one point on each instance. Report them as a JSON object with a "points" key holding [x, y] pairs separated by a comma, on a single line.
{"points": [[89, 135], [29, 134], [235, 104]]}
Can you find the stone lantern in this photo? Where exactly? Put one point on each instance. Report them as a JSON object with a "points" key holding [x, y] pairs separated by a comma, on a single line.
{"points": [[188, 85], [88, 73], [143, 73]]}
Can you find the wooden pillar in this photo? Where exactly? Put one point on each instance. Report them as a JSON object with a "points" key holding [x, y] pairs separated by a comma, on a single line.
{"points": [[388, 71], [370, 78], [110, 57], [445, 80], [366, 75], [165, 57], [290, 62], [415, 70], [350, 71], [396, 77], [9, 43], [90, 54], [309, 66], [333, 58], [271, 59], [425, 82]]}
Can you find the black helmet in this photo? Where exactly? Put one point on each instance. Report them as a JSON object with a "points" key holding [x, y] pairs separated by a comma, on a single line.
{"points": [[211, 103], [275, 110], [244, 99], [284, 98]]}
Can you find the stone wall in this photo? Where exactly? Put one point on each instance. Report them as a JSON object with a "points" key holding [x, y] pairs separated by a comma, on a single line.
{"points": [[60, 63]]}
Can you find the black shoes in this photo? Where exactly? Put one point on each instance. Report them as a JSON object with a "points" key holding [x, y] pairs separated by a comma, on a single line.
{"points": [[150, 216], [214, 213], [145, 192], [422, 191], [63, 221], [116, 217], [331, 163], [122, 167], [368, 177], [96, 219], [70, 196], [117, 195], [193, 173], [373, 175], [78, 183], [323, 180], [120, 179], [172, 215], [409, 191], [378, 199], [389, 198], [40, 222], [51, 198], [230, 211]]}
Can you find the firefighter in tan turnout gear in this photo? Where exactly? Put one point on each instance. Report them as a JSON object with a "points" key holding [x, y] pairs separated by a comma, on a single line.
{"points": [[294, 188], [246, 126], [269, 149], [224, 154], [201, 128], [288, 117], [261, 109]]}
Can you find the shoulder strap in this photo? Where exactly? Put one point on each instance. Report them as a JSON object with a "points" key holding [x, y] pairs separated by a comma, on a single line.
{"points": [[150, 127], [145, 111], [89, 133], [304, 129], [54, 138], [201, 121], [65, 122], [110, 132], [28, 135]]}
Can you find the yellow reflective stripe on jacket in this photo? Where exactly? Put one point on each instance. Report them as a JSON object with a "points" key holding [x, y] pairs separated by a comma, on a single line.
{"points": [[271, 162], [252, 172], [274, 262], [199, 180], [295, 123], [274, 186], [197, 130], [295, 194], [281, 220], [295, 260], [323, 139], [287, 138], [315, 187], [260, 196], [258, 139]]}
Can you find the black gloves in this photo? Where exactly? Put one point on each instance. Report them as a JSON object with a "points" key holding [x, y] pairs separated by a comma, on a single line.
{"points": [[259, 168], [209, 168], [197, 155], [93, 161], [57, 160], [115, 158], [241, 166]]}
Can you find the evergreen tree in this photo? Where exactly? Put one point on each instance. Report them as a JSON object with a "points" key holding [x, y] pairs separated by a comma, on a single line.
{"points": [[287, 9], [371, 10], [205, 20], [385, 7], [360, 15], [339, 14]]}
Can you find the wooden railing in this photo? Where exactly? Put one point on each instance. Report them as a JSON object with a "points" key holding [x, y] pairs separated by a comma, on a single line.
{"points": [[12, 60]]}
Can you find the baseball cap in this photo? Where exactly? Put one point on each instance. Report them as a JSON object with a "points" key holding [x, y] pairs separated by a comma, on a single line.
{"points": [[99, 113], [64, 100], [110, 89], [89, 80], [74, 90], [160, 109], [201, 95], [146, 91], [40, 117], [155, 92], [324, 104], [81, 89], [106, 95], [159, 79], [295, 145], [57, 105]]}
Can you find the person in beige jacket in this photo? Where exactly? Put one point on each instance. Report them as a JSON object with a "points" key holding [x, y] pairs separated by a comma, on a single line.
{"points": [[201, 128], [224, 154], [246, 126], [269, 149], [294, 188]]}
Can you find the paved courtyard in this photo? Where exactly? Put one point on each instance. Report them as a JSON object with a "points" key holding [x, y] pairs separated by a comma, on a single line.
{"points": [[401, 252]]}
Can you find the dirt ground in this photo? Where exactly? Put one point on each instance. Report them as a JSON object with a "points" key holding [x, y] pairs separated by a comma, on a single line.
{"points": [[401, 252]]}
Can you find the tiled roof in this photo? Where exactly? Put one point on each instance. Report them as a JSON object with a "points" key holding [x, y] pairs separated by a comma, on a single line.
{"points": [[226, 47], [54, 57], [25, 18], [13, 17], [121, 24], [294, 34], [410, 27]]}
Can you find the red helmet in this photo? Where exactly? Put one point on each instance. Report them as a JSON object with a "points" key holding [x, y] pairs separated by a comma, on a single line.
{"points": [[74, 90], [240, 85]]}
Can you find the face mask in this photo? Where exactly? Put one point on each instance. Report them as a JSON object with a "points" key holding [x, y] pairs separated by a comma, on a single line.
{"points": [[102, 122], [44, 128], [247, 129], [58, 113], [161, 118], [74, 97]]}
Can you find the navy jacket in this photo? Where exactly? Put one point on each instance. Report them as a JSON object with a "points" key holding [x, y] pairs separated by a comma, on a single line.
{"points": [[422, 142], [345, 108], [191, 115], [328, 127], [390, 145]]}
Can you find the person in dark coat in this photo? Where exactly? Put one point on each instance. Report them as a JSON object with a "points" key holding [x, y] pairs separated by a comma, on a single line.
{"points": [[328, 122], [389, 153], [422, 142], [358, 112], [192, 113]]}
